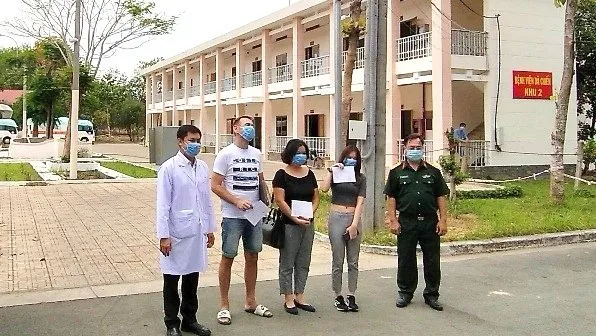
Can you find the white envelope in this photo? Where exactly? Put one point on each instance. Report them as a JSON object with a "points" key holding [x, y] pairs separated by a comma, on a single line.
{"points": [[343, 175], [256, 214], [302, 209]]}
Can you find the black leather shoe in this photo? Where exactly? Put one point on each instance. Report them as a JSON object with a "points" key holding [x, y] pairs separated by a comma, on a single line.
{"points": [[196, 329], [293, 310], [173, 332], [305, 307], [402, 302], [434, 304]]}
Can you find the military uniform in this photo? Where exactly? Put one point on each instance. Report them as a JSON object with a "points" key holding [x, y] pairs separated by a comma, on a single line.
{"points": [[416, 194]]}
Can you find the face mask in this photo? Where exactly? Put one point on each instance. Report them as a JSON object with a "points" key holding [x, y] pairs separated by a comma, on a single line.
{"points": [[247, 133], [414, 154], [349, 162], [299, 159], [192, 148]]}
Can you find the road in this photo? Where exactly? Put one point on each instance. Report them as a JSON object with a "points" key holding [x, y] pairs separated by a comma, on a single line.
{"points": [[547, 291]]}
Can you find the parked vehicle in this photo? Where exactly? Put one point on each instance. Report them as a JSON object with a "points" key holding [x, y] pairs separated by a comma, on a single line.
{"points": [[86, 129], [8, 130]]}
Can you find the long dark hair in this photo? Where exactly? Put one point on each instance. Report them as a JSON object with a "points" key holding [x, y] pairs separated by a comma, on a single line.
{"points": [[347, 151]]}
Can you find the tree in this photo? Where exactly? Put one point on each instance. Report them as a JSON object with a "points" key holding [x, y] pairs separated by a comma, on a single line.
{"points": [[557, 182], [352, 27], [585, 38], [107, 26], [131, 118], [452, 166]]}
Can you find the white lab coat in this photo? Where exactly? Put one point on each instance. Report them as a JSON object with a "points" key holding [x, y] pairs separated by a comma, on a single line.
{"points": [[184, 214]]}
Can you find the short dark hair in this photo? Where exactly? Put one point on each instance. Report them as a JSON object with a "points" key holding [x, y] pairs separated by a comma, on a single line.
{"points": [[462, 124], [291, 149], [184, 130], [347, 151], [413, 136], [237, 120]]}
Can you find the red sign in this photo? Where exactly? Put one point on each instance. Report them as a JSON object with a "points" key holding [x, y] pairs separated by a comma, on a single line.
{"points": [[532, 85]]}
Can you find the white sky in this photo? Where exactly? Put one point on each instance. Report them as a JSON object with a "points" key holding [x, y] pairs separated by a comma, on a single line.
{"points": [[199, 21]]}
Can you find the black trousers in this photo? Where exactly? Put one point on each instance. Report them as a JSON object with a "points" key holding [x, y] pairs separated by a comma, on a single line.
{"points": [[171, 300], [413, 232]]}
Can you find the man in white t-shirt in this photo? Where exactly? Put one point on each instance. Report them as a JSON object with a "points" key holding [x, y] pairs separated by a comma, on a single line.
{"points": [[237, 174]]}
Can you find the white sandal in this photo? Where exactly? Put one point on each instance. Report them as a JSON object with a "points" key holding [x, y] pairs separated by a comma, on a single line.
{"points": [[259, 310], [224, 317]]}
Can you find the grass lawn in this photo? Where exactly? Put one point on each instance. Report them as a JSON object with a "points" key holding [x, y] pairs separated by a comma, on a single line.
{"points": [[129, 169], [491, 218], [18, 172]]}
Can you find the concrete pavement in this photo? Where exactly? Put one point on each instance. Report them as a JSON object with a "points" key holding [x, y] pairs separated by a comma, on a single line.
{"points": [[547, 291]]}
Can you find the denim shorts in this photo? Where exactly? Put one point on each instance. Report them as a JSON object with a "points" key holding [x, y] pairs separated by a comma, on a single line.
{"points": [[234, 228]]}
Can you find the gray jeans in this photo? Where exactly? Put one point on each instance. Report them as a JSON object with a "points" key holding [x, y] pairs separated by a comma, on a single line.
{"points": [[294, 258], [338, 223]]}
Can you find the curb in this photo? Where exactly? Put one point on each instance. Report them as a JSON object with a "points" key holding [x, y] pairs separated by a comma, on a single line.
{"points": [[490, 245]]}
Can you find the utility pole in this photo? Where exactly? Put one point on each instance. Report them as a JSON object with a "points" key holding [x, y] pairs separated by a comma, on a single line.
{"points": [[24, 101], [375, 87], [74, 115], [338, 66]]}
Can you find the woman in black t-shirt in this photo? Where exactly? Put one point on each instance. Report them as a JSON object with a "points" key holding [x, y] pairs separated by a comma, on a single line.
{"points": [[295, 182], [344, 226]]}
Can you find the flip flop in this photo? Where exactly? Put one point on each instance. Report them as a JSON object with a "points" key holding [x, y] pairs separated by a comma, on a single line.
{"points": [[259, 310], [224, 317]]}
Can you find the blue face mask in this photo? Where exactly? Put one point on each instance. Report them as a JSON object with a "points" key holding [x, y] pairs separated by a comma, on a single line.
{"points": [[299, 159], [192, 148], [414, 154], [349, 162], [247, 133]]}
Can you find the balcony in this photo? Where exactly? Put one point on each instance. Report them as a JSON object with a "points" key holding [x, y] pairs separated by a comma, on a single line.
{"points": [[319, 144], [315, 67], [194, 91], [180, 94], [463, 43], [228, 84], [252, 79], [169, 95], [210, 87], [158, 98], [359, 58], [279, 74]]}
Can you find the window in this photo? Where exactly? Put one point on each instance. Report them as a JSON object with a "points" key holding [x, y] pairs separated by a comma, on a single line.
{"points": [[192, 121], [281, 126], [179, 85], [211, 77], [179, 122], [233, 71], [428, 117], [281, 59], [192, 82]]}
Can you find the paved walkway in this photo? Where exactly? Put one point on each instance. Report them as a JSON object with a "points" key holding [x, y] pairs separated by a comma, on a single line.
{"points": [[93, 235], [527, 292]]}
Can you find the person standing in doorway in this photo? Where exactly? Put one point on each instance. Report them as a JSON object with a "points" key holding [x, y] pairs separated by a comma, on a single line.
{"points": [[296, 186], [418, 192], [185, 225], [345, 227], [237, 174]]}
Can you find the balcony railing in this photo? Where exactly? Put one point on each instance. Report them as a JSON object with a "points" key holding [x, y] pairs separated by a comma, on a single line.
{"points": [[415, 46], [209, 88], [359, 58], [194, 91], [475, 151], [252, 79], [228, 84], [315, 67], [468, 43], [463, 42], [169, 95], [158, 98], [225, 139], [318, 144], [282, 73], [180, 94], [209, 140]]}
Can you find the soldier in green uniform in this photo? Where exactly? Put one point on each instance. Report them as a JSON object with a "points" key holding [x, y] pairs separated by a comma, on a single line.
{"points": [[418, 192]]}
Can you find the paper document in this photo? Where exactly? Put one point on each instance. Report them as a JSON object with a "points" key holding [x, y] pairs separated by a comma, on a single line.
{"points": [[256, 214], [302, 209], [343, 175]]}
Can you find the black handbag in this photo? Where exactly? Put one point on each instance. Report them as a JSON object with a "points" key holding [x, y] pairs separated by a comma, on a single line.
{"points": [[273, 227]]}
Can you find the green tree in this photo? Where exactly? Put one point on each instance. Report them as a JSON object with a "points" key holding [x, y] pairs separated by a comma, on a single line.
{"points": [[585, 38]]}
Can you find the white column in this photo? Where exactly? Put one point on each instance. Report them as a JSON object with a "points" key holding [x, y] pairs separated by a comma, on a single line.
{"points": [[201, 94], [153, 90], [186, 82], [219, 117], [441, 75], [393, 116], [268, 122], [164, 88], [297, 58], [239, 72], [174, 95], [332, 49]]}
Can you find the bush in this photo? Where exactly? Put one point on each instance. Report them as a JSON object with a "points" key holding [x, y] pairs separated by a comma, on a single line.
{"points": [[507, 192], [589, 154]]}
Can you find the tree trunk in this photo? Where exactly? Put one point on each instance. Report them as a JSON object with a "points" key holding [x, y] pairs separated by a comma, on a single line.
{"points": [[35, 129], [557, 183], [452, 189], [349, 65], [66, 151]]}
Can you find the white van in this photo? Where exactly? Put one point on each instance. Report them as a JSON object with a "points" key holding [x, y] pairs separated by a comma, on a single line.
{"points": [[8, 130], [86, 130]]}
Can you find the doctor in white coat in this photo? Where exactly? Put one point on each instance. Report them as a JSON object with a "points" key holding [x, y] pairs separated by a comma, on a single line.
{"points": [[185, 225]]}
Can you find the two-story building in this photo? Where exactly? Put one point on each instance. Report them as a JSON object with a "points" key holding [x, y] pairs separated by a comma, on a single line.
{"points": [[449, 61]]}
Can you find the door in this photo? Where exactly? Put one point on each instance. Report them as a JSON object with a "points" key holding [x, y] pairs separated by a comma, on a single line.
{"points": [[257, 142], [256, 66], [406, 123], [311, 52], [312, 125], [313, 67]]}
